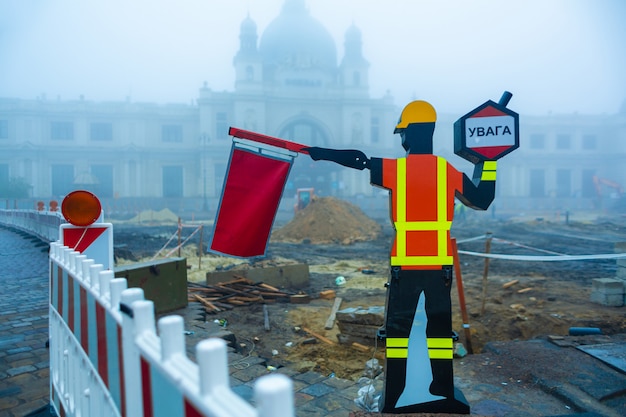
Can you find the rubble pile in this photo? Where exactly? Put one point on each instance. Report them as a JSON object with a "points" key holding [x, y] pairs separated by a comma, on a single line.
{"points": [[329, 220], [359, 325]]}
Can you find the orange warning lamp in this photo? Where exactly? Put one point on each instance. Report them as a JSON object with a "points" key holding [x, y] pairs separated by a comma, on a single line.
{"points": [[81, 208]]}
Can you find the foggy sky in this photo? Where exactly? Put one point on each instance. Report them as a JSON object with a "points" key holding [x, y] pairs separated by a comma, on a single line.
{"points": [[559, 56]]}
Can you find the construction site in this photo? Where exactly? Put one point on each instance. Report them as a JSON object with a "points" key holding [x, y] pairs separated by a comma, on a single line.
{"points": [[315, 302]]}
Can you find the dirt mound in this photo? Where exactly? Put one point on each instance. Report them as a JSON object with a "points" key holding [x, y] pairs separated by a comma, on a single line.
{"points": [[151, 216], [329, 220]]}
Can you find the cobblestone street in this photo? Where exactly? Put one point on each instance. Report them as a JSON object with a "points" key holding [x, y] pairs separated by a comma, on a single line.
{"points": [[24, 363]]}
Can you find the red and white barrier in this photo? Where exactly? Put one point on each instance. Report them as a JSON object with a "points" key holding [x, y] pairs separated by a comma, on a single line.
{"points": [[43, 224], [106, 358], [85, 343]]}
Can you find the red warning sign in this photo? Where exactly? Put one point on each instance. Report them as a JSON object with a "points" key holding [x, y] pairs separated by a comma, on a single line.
{"points": [[95, 242], [488, 132]]}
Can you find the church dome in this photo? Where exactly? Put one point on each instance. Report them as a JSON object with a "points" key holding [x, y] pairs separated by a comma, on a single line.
{"points": [[353, 34], [295, 39], [248, 26]]}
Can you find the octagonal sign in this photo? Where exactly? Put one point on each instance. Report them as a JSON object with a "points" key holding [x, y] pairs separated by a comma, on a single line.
{"points": [[486, 133]]}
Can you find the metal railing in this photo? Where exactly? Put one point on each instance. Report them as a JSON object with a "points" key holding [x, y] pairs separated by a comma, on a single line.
{"points": [[43, 224]]}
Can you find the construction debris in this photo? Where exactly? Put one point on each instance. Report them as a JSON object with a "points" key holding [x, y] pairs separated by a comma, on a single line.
{"points": [[319, 336], [293, 275], [510, 283], [360, 325], [330, 323], [238, 292]]}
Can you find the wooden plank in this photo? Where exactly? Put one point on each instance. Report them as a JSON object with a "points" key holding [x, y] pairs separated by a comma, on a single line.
{"points": [[330, 323], [319, 336], [266, 318], [510, 283], [268, 287], [207, 304]]}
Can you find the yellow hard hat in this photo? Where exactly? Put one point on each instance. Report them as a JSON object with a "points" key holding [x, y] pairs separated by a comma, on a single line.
{"points": [[417, 111]]}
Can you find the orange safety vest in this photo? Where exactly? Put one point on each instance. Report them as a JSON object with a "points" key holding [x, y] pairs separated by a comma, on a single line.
{"points": [[422, 188]]}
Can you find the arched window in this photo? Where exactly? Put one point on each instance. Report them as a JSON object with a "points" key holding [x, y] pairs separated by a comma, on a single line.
{"points": [[305, 132]]}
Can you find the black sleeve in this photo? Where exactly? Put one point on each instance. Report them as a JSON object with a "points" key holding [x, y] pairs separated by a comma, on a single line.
{"points": [[478, 197], [376, 171]]}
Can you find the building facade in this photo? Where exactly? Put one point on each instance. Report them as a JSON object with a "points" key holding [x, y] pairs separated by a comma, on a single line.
{"points": [[289, 83]]}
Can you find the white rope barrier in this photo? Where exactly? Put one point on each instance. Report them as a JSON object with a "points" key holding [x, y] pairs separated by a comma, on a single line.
{"points": [[519, 245], [182, 243], [532, 258], [554, 256]]}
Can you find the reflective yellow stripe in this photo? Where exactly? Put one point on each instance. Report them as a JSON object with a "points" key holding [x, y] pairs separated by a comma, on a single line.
{"points": [[440, 343], [401, 205], [397, 342], [441, 225], [403, 353], [489, 171], [421, 260], [442, 206], [440, 353], [397, 353], [490, 165], [417, 226], [438, 347]]}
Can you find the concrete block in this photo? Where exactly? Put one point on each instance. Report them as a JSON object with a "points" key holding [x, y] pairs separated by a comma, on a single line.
{"points": [[621, 262], [620, 247], [374, 315], [286, 276], [611, 300], [621, 272], [608, 292], [163, 281], [359, 324], [608, 286]]}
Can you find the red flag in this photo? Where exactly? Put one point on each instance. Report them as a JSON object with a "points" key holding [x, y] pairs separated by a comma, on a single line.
{"points": [[250, 198]]}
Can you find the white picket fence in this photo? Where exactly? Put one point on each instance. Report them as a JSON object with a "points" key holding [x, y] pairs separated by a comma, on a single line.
{"points": [[109, 358]]}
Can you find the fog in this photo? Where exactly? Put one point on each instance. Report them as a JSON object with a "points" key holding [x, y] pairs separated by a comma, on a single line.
{"points": [[559, 56]]}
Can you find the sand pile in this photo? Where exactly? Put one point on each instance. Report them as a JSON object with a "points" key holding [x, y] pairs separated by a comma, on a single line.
{"points": [[151, 216], [328, 220]]}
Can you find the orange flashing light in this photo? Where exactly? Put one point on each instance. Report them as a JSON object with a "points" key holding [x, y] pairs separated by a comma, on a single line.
{"points": [[81, 208]]}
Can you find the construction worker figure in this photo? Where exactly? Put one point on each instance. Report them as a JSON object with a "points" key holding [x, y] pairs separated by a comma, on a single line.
{"points": [[418, 318]]}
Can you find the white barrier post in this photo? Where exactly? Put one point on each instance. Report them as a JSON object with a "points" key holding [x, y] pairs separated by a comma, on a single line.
{"points": [[215, 390], [132, 369], [116, 287], [105, 278], [94, 271], [87, 263], [66, 257], [274, 396], [212, 359], [171, 332], [72, 265], [79, 266]]}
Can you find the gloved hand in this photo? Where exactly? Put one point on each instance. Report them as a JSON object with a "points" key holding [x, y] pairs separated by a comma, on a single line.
{"points": [[315, 152], [350, 158]]}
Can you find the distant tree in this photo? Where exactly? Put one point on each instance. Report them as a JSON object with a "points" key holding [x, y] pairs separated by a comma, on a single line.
{"points": [[16, 187]]}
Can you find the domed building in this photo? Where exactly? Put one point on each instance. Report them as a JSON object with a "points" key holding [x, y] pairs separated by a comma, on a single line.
{"points": [[293, 82], [289, 84]]}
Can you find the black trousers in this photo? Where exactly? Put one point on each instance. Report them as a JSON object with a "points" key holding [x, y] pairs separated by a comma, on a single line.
{"points": [[403, 293]]}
